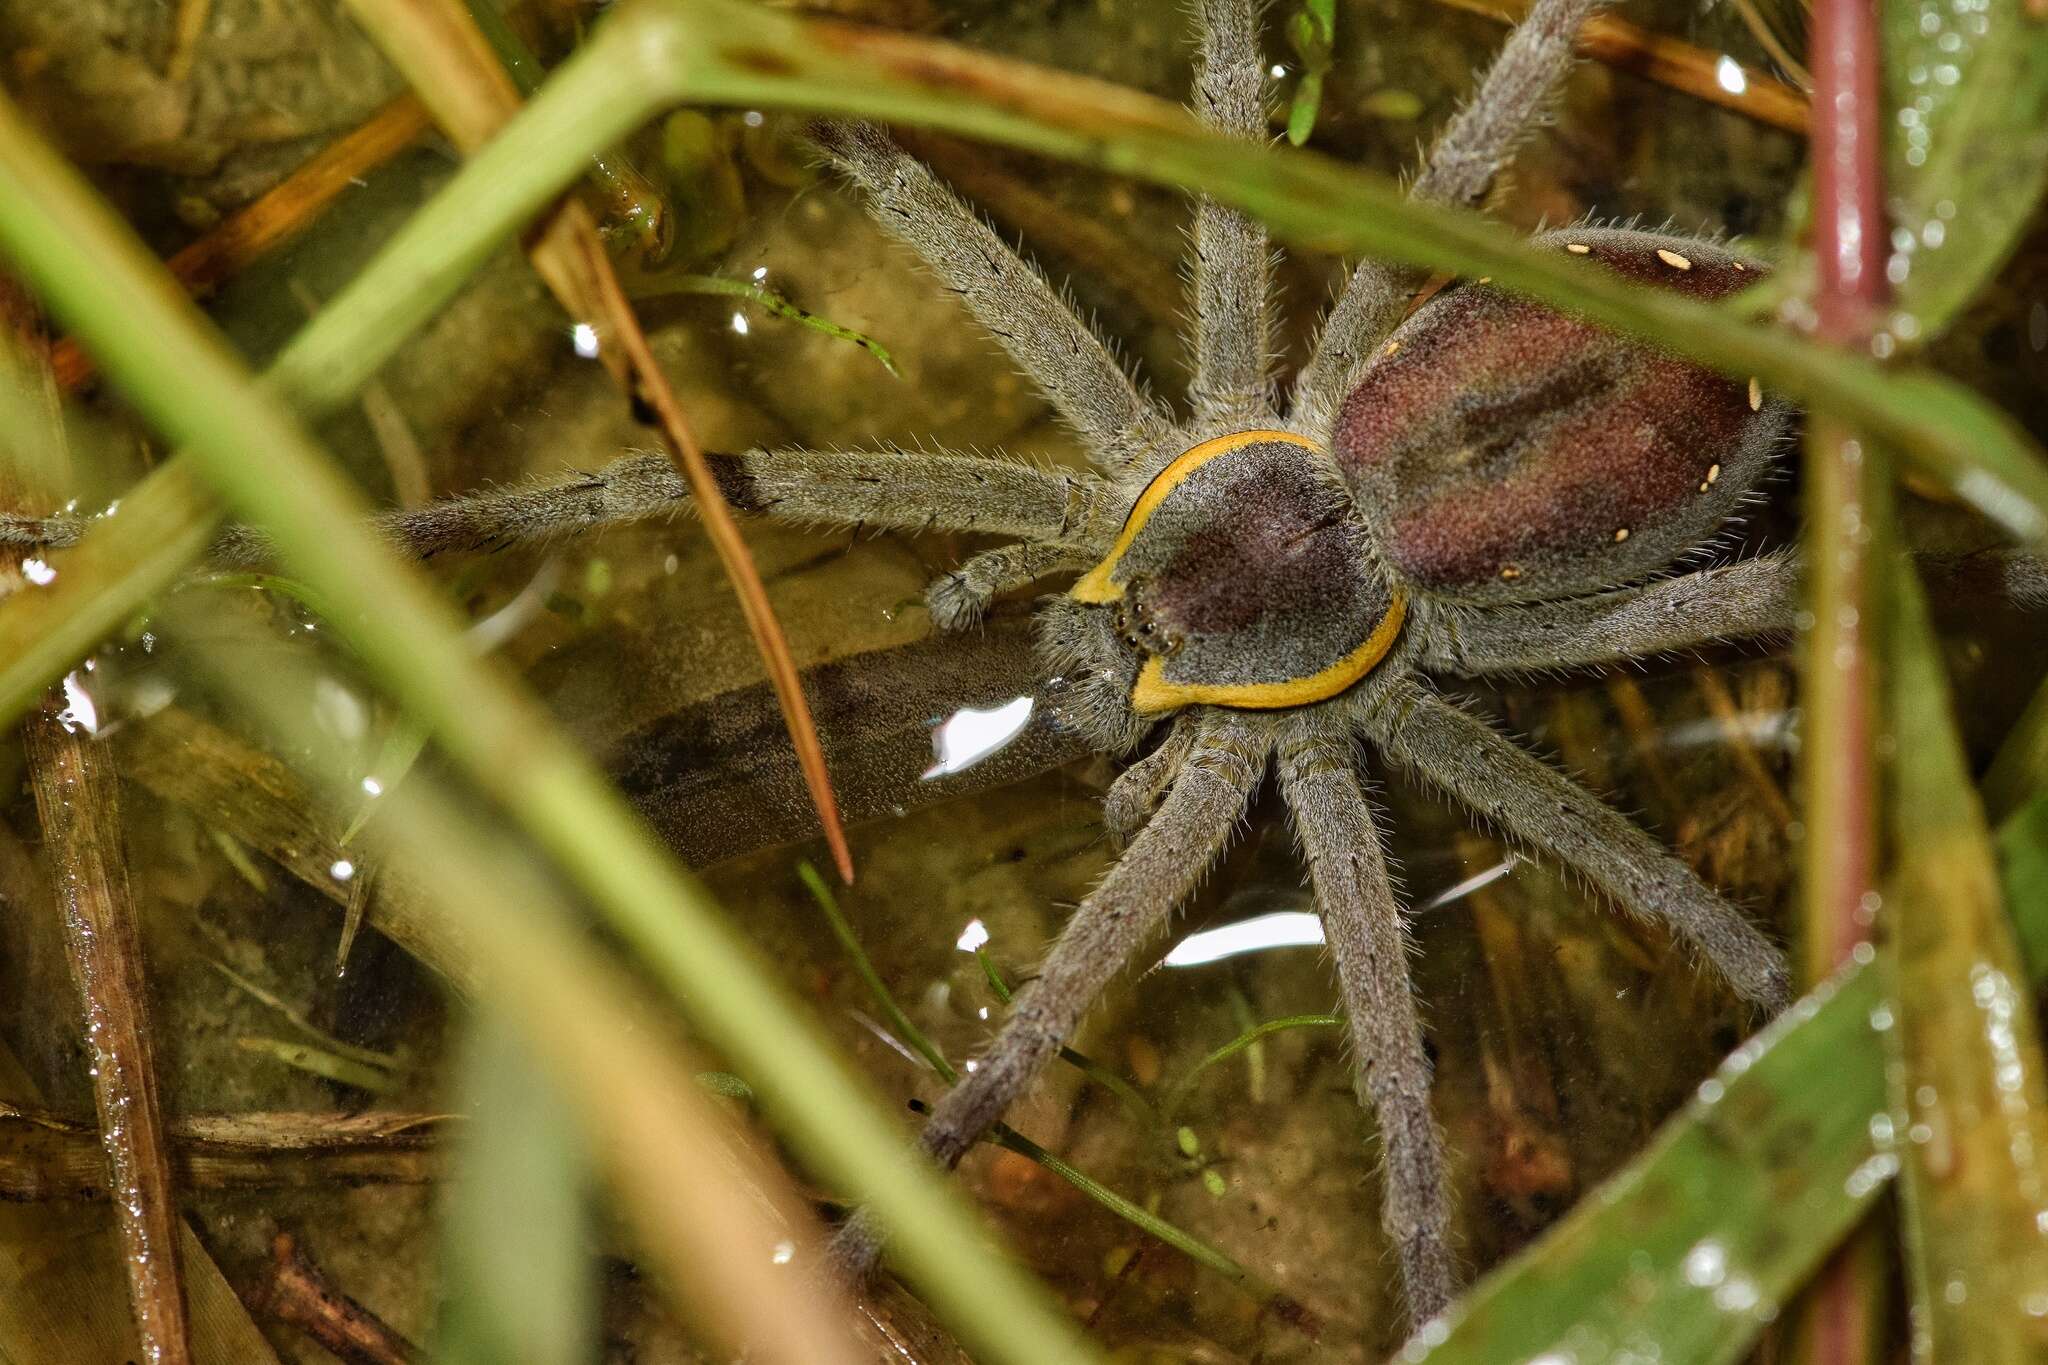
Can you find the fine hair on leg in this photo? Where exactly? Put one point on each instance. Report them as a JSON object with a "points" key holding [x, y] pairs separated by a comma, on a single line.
{"points": [[1232, 258], [1367, 938], [1464, 161], [1136, 896], [1483, 135], [879, 489], [1137, 790], [1060, 353], [1525, 798], [1741, 601], [961, 597]]}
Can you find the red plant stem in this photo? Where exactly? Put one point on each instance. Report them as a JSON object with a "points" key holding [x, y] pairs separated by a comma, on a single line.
{"points": [[1843, 486], [1847, 491], [1848, 169]]}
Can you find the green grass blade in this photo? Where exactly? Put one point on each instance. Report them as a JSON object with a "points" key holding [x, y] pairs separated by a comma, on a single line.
{"points": [[1969, 1090], [727, 51], [1682, 1256], [99, 280]]}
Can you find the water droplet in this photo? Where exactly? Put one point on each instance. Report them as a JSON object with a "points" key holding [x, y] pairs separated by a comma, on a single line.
{"points": [[1706, 1265]]}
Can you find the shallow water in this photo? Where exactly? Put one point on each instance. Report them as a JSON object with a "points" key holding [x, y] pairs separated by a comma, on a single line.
{"points": [[1561, 1033]]}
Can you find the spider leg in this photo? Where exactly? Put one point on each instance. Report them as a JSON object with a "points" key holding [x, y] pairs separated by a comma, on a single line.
{"points": [[1233, 260], [1362, 923], [886, 489], [1464, 161], [1154, 875], [1060, 352], [962, 597], [1519, 794], [1749, 598], [1138, 789]]}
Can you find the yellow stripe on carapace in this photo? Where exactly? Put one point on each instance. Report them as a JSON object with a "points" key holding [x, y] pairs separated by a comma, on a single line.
{"points": [[1154, 693], [1095, 586]]}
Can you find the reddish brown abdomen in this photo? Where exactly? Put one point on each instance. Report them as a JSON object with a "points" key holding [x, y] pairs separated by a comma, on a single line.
{"points": [[1504, 451]]}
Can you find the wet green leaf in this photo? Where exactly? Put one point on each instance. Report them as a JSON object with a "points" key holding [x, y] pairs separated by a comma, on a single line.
{"points": [[1968, 1091], [1683, 1255], [1969, 150]]}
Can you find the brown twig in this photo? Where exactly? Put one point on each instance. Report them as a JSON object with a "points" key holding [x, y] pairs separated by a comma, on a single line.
{"points": [[294, 1291], [1673, 62], [44, 1157], [439, 49], [276, 217], [77, 799]]}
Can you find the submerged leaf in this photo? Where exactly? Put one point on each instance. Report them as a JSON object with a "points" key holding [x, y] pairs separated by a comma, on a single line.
{"points": [[1969, 155]]}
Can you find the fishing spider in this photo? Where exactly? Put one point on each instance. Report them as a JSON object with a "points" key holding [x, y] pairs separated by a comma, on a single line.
{"points": [[1485, 488]]}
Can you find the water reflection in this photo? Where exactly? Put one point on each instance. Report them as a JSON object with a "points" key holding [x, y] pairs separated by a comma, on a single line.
{"points": [[972, 734], [1281, 929]]}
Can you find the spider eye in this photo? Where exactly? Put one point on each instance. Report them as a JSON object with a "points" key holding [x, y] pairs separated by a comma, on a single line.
{"points": [[1505, 451]]}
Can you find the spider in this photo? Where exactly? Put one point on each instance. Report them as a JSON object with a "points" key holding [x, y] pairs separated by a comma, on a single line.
{"points": [[1270, 581]]}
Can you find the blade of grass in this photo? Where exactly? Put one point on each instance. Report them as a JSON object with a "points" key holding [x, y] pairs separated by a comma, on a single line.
{"points": [[93, 273], [1968, 1087], [440, 50], [724, 51], [1178, 1095], [1695, 1244], [767, 299], [703, 1206], [521, 1285], [647, 56]]}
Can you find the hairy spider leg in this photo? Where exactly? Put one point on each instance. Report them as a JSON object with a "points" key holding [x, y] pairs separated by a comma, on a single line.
{"points": [[1233, 261], [1141, 890], [879, 489], [1367, 936], [1039, 329], [1466, 158], [1745, 600], [1510, 789]]}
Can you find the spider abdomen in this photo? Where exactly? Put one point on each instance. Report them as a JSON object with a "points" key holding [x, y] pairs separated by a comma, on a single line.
{"points": [[1505, 451]]}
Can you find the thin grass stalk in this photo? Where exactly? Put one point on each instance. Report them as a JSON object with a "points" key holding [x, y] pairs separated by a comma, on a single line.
{"points": [[445, 56], [729, 52], [95, 275], [650, 54]]}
